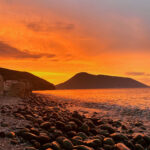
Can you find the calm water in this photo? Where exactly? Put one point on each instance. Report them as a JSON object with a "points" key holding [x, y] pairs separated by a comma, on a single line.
{"points": [[119, 103]]}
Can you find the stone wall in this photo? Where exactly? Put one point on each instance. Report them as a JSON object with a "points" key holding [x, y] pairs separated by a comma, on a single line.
{"points": [[1, 85]]}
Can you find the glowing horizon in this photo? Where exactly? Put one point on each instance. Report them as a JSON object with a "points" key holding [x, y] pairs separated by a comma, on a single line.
{"points": [[55, 40]]}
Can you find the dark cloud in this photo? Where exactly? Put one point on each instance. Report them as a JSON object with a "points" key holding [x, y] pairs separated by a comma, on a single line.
{"points": [[11, 52], [42, 27], [137, 74]]}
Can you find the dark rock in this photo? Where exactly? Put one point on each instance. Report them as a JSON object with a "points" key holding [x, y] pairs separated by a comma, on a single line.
{"points": [[83, 147], [4, 124], [73, 125], [93, 131], [109, 128], [130, 131], [46, 146], [45, 125], [67, 144], [68, 127], [90, 124], [60, 125], [71, 134], [77, 121], [77, 140], [20, 116], [130, 144], [124, 127], [52, 129], [139, 139], [60, 139], [77, 115], [34, 131], [14, 142], [57, 133], [148, 148], [29, 126], [118, 137], [147, 139], [22, 131], [138, 124], [109, 141], [35, 143], [82, 135], [108, 147], [116, 124], [29, 136], [55, 146], [95, 143], [139, 147], [43, 138], [30, 148], [2, 134], [103, 132], [85, 128], [121, 146], [29, 117]]}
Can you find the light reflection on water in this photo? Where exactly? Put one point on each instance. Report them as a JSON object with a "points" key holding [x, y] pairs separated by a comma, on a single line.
{"points": [[128, 105], [122, 97]]}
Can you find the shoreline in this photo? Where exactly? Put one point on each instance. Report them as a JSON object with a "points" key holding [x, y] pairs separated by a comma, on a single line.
{"points": [[39, 122]]}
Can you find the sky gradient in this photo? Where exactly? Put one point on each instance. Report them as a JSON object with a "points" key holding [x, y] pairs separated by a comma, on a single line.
{"points": [[56, 39]]}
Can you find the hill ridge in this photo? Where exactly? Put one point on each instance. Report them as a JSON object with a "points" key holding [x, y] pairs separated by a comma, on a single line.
{"points": [[36, 82], [84, 80]]}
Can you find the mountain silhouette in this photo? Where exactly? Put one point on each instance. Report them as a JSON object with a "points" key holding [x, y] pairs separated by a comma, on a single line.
{"points": [[84, 80], [36, 82]]}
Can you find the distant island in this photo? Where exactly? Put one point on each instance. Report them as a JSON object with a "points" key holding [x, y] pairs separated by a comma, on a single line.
{"points": [[36, 82], [85, 80]]}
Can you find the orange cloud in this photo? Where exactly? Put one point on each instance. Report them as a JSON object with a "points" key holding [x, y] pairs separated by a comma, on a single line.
{"points": [[7, 51]]}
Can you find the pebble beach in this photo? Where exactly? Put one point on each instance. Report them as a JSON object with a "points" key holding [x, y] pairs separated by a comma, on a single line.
{"points": [[41, 123]]}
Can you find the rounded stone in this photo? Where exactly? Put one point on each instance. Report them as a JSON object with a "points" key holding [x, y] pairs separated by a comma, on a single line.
{"points": [[60, 139], [46, 146], [67, 144], [14, 142], [43, 138], [55, 146], [45, 125], [109, 128], [82, 135], [109, 141], [95, 143], [85, 128], [30, 148], [83, 147], [121, 146], [118, 137], [139, 147]]}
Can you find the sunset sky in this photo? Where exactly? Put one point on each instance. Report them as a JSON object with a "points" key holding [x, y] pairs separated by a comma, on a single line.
{"points": [[56, 39]]}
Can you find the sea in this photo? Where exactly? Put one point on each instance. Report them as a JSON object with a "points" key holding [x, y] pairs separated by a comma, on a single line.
{"points": [[123, 104]]}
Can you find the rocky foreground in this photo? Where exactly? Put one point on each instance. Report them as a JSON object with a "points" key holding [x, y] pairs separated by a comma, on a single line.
{"points": [[38, 123]]}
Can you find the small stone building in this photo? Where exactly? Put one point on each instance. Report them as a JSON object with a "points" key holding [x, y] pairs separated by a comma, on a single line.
{"points": [[14, 88], [1, 85]]}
